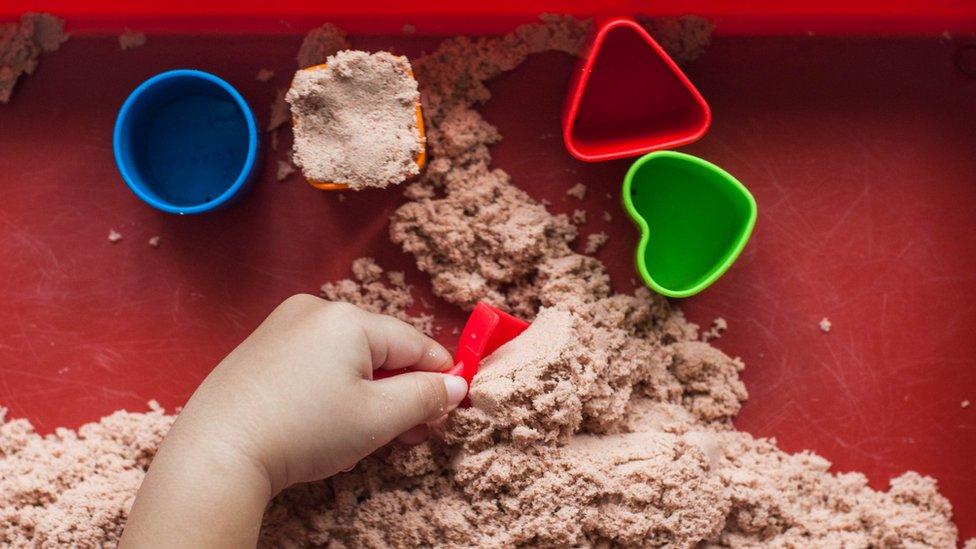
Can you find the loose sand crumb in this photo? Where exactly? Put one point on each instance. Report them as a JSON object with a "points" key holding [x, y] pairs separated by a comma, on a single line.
{"points": [[114, 236], [154, 242], [824, 325], [607, 217], [964, 404], [264, 75], [21, 46], [684, 38], [715, 331], [285, 168], [594, 242], [369, 289], [607, 423], [577, 191], [356, 120], [130, 39], [579, 216]]}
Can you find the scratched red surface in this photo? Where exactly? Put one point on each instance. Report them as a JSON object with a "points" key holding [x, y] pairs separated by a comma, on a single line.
{"points": [[860, 153]]}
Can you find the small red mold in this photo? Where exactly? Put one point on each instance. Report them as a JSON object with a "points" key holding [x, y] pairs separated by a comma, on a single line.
{"points": [[487, 329], [628, 97]]}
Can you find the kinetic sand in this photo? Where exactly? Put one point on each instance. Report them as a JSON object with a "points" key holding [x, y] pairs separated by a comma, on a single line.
{"points": [[606, 423], [355, 120]]}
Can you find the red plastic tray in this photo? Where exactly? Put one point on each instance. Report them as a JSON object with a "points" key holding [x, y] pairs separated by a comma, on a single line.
{"points": [[756, 17], [859, 152]]}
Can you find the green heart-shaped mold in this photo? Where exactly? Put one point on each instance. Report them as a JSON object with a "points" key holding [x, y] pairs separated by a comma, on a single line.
{"points": [[694, 220]]}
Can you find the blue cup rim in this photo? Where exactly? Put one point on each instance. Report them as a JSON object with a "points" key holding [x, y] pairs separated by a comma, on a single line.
{"points": [[246, 170]]}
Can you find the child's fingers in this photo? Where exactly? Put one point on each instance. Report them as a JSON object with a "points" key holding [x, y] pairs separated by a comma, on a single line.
{"points": [[411, 399], [394, 344]]}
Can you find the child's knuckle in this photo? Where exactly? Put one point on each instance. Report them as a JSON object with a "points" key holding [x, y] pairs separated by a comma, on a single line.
{"points": [[429, 389], [341, 309], [300, 302]]}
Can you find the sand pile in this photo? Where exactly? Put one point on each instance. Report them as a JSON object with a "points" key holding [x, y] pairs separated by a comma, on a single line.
{"points": [[377, 291], [684, 38], [74, 488], [319, 44], [608, 422], [21, 45]]}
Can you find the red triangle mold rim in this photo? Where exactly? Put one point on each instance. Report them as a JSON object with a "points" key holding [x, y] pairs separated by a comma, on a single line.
{"points": [[628, 97]]}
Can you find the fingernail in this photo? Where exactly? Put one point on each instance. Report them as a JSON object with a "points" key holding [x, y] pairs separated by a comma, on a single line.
{"points": [[456, 388]]}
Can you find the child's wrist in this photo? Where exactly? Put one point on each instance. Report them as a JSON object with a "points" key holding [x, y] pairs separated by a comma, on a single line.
{"points": [[224, 448], [189, 479], [207, 458]]}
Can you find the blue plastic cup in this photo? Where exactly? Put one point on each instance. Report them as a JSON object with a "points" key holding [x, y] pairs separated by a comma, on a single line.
{"points": [[186, 142]]}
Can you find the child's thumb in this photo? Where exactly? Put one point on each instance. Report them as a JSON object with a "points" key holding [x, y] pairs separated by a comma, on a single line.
{"points": [[414, 398]]}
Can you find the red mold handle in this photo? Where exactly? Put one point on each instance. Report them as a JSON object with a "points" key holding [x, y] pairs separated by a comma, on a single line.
{"points": [[487, 329]]}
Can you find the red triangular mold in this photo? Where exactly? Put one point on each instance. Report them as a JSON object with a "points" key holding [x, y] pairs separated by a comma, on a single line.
{"points": [[628, 97]]}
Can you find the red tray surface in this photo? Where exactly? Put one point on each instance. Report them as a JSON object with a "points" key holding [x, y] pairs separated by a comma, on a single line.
{"points": [[859, 152]]}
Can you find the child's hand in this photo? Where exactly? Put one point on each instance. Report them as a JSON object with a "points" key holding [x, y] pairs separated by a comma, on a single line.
{"points": [[293, 403]]}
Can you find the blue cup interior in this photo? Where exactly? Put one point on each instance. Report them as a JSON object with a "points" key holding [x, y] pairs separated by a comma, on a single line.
{"points": [[185, 141]]}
